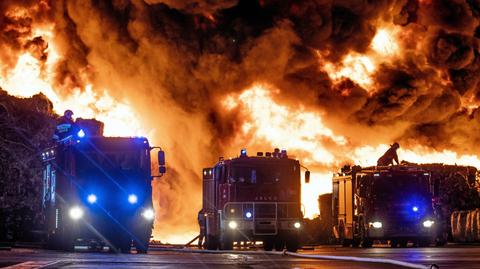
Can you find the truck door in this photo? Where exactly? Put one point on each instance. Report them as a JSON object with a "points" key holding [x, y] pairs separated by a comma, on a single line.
{"points": [[345, 205]]}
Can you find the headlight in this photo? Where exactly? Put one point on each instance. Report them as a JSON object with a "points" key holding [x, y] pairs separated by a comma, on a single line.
{"points": [[428, 223], [148, 214], [81, 133], [233, 225], [92, 198], [376, 224], [248, 215], [132, 199], [76, 213], [297, 225]]}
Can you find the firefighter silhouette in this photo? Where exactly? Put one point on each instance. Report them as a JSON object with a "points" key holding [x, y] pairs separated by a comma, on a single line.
{"points": [[65, 126], [390, 156]]}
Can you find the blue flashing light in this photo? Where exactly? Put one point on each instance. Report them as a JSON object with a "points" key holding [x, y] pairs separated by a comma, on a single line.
{"points": [[415, 209], [132, 199], [92, 198], [243, 152], [81, 133], [248, 215]]}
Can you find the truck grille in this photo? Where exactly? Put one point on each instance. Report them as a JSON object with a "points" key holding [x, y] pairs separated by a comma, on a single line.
{"points": [[262, 210]]}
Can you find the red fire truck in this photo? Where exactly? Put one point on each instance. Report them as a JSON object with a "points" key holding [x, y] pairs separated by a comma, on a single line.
{"points": [[253, 198]]}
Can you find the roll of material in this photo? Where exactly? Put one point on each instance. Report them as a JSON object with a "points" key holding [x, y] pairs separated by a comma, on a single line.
{"points": [[465, 226]]}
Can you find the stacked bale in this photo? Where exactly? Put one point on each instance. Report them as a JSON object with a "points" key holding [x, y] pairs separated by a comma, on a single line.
{"points": [[466, 226], [26, 126]]}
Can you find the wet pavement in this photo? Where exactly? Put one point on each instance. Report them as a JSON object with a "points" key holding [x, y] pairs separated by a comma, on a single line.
{"points": [[447, 257]]}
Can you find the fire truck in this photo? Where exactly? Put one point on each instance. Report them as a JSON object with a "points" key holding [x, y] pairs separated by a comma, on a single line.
{"points": [[391, 203], [97, 191], [253, 198]]}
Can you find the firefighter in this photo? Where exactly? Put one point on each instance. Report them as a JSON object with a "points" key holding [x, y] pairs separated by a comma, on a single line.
{"points": [[202, 224], [390, 156], [65, 126]]}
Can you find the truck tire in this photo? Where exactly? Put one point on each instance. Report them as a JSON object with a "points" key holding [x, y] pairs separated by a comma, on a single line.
{"points": [[345, 242], [141, 247], [268, 244], [423, 243], [292, 244], [226, 243], [211, 242], [367, 243], [66, 240], [123, 245], [279, 244], [403, 243]]}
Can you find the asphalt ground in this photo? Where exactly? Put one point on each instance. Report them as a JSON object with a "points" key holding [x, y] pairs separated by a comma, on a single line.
{"points": [[452, 256]]}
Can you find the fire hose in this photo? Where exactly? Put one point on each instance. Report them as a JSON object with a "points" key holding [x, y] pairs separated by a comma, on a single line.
{"points": [[309, 256]]}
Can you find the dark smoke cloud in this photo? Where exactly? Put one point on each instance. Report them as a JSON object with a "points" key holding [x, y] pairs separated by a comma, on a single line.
{"points": [[192, 6], [16, 29], [175, 61]]}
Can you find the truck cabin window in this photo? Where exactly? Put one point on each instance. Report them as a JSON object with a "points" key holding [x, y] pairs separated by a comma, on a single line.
{"points": [[267, 174], [400, 185], [123, 160]]}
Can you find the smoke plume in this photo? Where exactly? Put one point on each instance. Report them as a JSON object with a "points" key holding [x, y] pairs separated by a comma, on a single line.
{"points": [[177, 61]]}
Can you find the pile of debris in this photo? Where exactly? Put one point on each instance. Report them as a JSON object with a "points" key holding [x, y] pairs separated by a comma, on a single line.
{"points": [[26, 126]]}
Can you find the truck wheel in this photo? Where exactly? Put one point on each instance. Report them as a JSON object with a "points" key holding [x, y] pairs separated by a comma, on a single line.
{"points": [[367, 243], [423, 243], [141, 247], [268, 244], [226, 243], [393, 243], [211, 242], [292, 244], [345, 242], [67, 242], [279, 244], [120, 244]]}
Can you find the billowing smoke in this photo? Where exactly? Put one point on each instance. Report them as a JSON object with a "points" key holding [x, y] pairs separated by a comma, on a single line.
{"points": [[176, 62]]}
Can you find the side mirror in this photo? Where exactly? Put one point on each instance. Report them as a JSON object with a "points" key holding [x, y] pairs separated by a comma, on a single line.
{"points": [[162, 169], [161, 158], [161, 162], [307, 176]]}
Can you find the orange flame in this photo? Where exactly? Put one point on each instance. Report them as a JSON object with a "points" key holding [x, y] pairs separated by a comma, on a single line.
{"points": [[27, 78], [307, 137], [360, 67]]}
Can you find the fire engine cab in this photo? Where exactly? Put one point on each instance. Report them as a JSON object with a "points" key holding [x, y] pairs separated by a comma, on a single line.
{"points": [[97, 191], [253, 198]]}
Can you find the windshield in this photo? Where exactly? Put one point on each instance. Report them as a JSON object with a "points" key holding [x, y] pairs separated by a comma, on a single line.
{"points": [[122, 165], [389, 186], [264, 174]]}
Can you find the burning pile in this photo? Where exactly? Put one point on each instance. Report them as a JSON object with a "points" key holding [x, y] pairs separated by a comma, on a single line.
{"points": [[25, 125], [331, 81]]}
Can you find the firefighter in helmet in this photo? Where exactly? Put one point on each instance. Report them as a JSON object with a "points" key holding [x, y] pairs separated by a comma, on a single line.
{"points": [[65, 126], [390, 156], [202, 224]]}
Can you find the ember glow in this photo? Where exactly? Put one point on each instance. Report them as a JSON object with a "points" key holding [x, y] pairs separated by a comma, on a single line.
{"points": [[361, 67], [332, 82]]}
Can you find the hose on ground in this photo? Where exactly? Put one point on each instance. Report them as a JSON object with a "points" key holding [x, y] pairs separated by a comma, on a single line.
{"points": [[308, 256]]}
